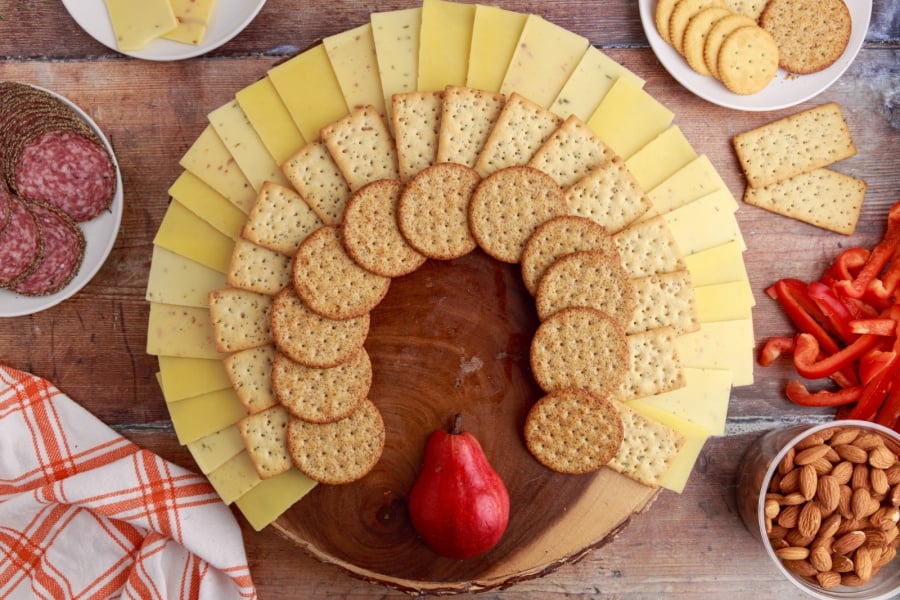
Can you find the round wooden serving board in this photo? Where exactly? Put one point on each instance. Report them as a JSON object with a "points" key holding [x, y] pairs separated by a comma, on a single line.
{"points": [[454, 337]]}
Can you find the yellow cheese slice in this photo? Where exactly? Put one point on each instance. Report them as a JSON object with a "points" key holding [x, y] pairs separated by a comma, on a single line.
{"points": [[264, 503], [695, 180], [310, 90], [183, 378], [495, 35], [718, 264], [209, 159], [720, 345], [200, 416], [193, 20], [628, 118], [214, 450], [245, 145], [545, 57], [396, 37], [695, 437], [705, 223], [186, 234], [234, 478], [668, 153], [587, 86], [174, 279], [352, 56], [181, 331], [271, 119], [208, 204], [136, 24], [728, 301], [445, 38], [703, 400]]}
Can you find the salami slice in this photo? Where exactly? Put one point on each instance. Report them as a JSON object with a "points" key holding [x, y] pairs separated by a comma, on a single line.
{"points": [[21, 243], [68, 170], [63, 252], [5, 209]]}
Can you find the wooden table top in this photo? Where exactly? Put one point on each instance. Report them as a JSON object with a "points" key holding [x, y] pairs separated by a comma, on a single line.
{"points": [[93, 345]]}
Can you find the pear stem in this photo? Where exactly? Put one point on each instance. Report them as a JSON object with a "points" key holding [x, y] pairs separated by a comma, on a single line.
{"points": [[456, 425]]}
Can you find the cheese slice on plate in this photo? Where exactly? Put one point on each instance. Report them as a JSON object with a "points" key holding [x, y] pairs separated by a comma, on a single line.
{"points": [[628, 118], [208, 204], [266, 501], [214, 450], [395, 34], [352, 56], [495, 35], [181, 331], [209, 159], [445, 38], [186, 234], [174, 279], [668, 153], [587, 86], [183, 378], [193, 20], [136, 24], [271, 119]]}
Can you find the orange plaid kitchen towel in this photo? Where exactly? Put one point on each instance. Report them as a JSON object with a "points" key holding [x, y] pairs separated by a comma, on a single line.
{"points": [[84, 513]]}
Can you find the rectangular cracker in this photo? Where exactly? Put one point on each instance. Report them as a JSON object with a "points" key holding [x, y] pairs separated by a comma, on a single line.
{"points": [[279, 219], [265, 437], [250, 373], [608, 195], [663, 300], [317, 178], [571, 152], [240, 319], [519, 131], [648, 248], [648, 448], [362, 147], [467, 117], [793, 145], [416, 117], [654, 367], [822, 197], [258, 269]]}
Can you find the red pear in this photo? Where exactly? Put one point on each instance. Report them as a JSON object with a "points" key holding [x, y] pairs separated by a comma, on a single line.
{"points": [[458, 503]]}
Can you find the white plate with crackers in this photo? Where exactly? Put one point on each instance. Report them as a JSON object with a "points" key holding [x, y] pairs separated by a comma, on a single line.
{"points": [[228, 19], [783, 91]]}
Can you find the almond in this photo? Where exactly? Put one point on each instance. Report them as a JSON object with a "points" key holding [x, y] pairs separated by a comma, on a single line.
{"points": [[830, 526], [793, 498], [771, 509], [796, 537], [881, 458], [844, 503], [868, 441], [809, 479], [820, 558], [809, 455], [786, 464], [841, 563], [849, 542], [809, 520], [793, 553], [822, 465], [875, 538], [887, 555], [828, 579], [852, 580], [789, 516], [893, 474], [894, 496], [860, 477], [842, 471], [860, 503], [879, 481], [854, 454], [800, 567], [828, 492], [862, 563], [790, 482], [845, 436]]}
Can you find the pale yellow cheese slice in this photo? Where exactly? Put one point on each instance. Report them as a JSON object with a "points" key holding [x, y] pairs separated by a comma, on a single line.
{"points": [[174, 279], [628, 118], [695, 180], [214, 450], [182, 377], [210, 161], [724, 301], [352, 56], [703, 400], [705, 223], [193, 20], [396, 37], [200, 416], [668, 153], [587, 86], [181, 331], [234, 478], [208, 204], [445, 38], [720, 345], [264, 503], [271, 119], [495, 34], [186, 234], [136, 24], [718, 264]]}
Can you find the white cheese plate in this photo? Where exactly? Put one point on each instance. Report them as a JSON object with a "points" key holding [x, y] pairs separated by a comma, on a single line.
{"points": [[228, 19], [784, 91]]}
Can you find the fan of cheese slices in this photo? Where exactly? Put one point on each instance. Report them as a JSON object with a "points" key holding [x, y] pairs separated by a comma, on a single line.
{"points": [[295, 210]]}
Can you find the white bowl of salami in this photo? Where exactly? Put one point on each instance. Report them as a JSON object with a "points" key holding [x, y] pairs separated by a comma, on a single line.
{"points": [[61, 199]]}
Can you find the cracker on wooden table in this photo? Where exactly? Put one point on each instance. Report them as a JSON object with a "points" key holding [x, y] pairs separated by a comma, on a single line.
{"points": [[811, 34], [608, 195], [467, 117], [250, 373], [362, 147], [279, 219], [717, 35], [371, 234], [311, 339], [580, 347], [748, 60], [417, 121], [329, 282], [508, 206], [654, 366], [520, 130], [694, 40], [799, 143], [571, 152], [664, 300], [433, 211], [317, 178], [822, 197], [339, 452], [648, 247], [556, 238], [648, 448], [258, 269], [322, 395], [240, 319], [592, 278], [573, 431], [265, 437], [681, 16]]}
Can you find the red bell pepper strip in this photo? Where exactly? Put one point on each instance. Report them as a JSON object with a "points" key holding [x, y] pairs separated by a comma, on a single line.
{"points": [[883, 326], [872, 363], [774, 348], [847, 265], [889, 415], [802, 312], [808, 364], [874, 393], [878, 258], [837, 313], [798, 394]]}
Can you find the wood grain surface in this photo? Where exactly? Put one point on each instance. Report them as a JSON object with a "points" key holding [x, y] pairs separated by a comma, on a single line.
{"points": [[93, 345]]}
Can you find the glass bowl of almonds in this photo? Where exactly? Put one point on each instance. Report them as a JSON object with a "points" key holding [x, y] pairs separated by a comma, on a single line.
{"points": [[825, 502]]}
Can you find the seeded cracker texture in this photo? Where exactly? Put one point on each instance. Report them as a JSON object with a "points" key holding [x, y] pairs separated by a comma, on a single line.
{"points": [[648, 247], [664, 300], [240, 319], [648, 448], [811, 34], [416, 117], [467, 118], [571, 152], [258, 269], [362, 147], [653, 366], [279, 219], [316, 177], [265, 437], [250, 373], [748, 60], [608, 195]]}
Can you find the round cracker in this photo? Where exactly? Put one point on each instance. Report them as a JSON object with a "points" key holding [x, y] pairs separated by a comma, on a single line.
{"points": [[508, 206], [573, 431], [311, 339], [339, 452], [811, 34], [370, 232], [433, 210], [721, 30], [322, 395], [560, 236], [695, 36], [662, 15], [682, 14], [580, 347], [748, 60], [330, 282], [590, 278]]}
